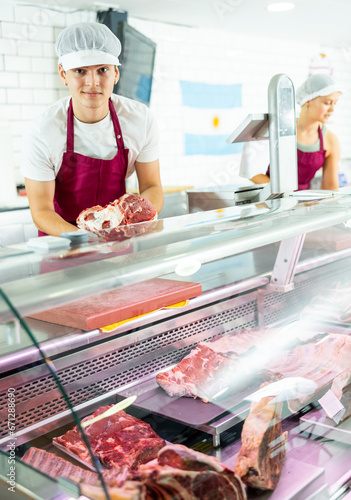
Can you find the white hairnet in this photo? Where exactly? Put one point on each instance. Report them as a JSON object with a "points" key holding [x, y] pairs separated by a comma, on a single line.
{"points": [[315, 86], [87, 44]]}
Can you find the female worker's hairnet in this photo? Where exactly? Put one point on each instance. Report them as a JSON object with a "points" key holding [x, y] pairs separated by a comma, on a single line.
{"points": [[87, 44], [316, 86]]}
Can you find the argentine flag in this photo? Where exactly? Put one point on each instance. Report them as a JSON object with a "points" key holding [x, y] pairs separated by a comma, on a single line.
{"points": [[210, 116]]}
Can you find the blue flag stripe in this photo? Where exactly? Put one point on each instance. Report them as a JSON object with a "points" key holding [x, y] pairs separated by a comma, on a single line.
{"points": [[206, 95], [196, 144]]}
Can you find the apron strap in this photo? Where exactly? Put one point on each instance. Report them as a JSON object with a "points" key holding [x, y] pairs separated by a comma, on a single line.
{"points": [[70, 131], [70, 127], [321, 143], [116, 125]]}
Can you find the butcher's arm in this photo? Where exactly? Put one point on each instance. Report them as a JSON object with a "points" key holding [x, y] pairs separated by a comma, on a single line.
{"points": [[41, 203], [330, 179], [149, 181], [260, 179]]}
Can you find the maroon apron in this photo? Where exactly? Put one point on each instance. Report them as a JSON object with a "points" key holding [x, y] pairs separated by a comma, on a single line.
{"points": [[83, 182], [308, 164]]}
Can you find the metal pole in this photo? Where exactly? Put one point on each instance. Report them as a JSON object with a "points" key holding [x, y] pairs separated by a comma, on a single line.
{"points": [[282, 134]]}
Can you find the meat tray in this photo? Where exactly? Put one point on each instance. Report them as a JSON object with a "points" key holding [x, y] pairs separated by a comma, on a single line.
{"points": [[316, 422], [189, 411], [296, 477]]}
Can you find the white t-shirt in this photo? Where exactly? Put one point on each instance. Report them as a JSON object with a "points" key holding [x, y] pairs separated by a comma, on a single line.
{"points": [[45, 140], [254, 159]]}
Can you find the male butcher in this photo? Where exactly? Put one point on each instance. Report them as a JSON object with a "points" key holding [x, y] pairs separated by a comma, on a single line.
{"points": [[79, 152]]}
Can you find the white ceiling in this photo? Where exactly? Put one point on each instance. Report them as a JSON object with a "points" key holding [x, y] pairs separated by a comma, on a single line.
{"points": [[326, 22]]}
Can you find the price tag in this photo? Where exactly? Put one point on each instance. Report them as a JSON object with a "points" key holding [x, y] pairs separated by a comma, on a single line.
{"points": [[332, 406]]}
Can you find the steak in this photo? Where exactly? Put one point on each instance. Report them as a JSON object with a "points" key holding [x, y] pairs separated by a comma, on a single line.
{"points": [[118, 440], [331, 304], [204, 374], [217, 368], [260, 460], [126, 210], [341, 385], [185, 474], [56, 467], [323, 362]]}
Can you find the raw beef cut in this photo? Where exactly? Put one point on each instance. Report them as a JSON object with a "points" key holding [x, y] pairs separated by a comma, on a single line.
{"points": [[118, 440], [111, 219], [260, 460], [205, 374], [185, 474], [217, 368], [322, 362], [330, 304], [56, 467]]}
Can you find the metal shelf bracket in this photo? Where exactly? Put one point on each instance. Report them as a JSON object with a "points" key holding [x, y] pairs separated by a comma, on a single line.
{"points": [[285, 264]]}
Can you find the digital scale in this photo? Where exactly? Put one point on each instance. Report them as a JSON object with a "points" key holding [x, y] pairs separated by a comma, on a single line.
{"points": [[279, 127]]}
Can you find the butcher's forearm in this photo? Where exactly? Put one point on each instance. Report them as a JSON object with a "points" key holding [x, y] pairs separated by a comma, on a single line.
{"points": [[260, 179], [155, 195], [51, 223]]}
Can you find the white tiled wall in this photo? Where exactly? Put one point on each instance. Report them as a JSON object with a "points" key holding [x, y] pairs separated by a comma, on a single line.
{"points": [[29, 80]]}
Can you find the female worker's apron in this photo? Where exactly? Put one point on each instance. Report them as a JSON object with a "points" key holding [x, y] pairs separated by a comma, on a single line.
{"points": [[83, 182], [308, 164]]}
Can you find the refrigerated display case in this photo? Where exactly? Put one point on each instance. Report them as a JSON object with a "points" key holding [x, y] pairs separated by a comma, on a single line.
{"points": [[279, 269]]}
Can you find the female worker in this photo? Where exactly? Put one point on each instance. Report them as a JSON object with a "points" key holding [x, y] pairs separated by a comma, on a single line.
{"points": [[317, 147], [78, 153]]}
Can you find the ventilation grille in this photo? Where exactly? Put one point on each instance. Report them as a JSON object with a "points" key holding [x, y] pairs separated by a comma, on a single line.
{"points": [[279, 306], [231, 320]]}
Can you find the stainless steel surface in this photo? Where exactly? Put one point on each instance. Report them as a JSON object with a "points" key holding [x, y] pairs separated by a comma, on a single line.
{"points": [[316, 422], [253, 128], [213, 418], [341, 488], [285, 264], [295, 480], [219, 197], [282, 134]]}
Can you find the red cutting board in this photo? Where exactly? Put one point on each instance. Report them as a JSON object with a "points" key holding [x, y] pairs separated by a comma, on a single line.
{"points": [[124, 303]]}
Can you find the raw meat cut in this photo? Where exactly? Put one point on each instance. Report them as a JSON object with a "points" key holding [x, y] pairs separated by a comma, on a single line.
{"points": [[322, 362], [118, 440], [205, 374], [330, 304], [111, 219], [231, 363], [341, 385], [260, 460], [179, 473], [185, 474], [56, 467], [216, 368]]}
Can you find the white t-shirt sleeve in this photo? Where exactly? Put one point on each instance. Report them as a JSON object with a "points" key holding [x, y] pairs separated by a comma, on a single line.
{"points": [[35, 161], [150, 149], [254, 159]]}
